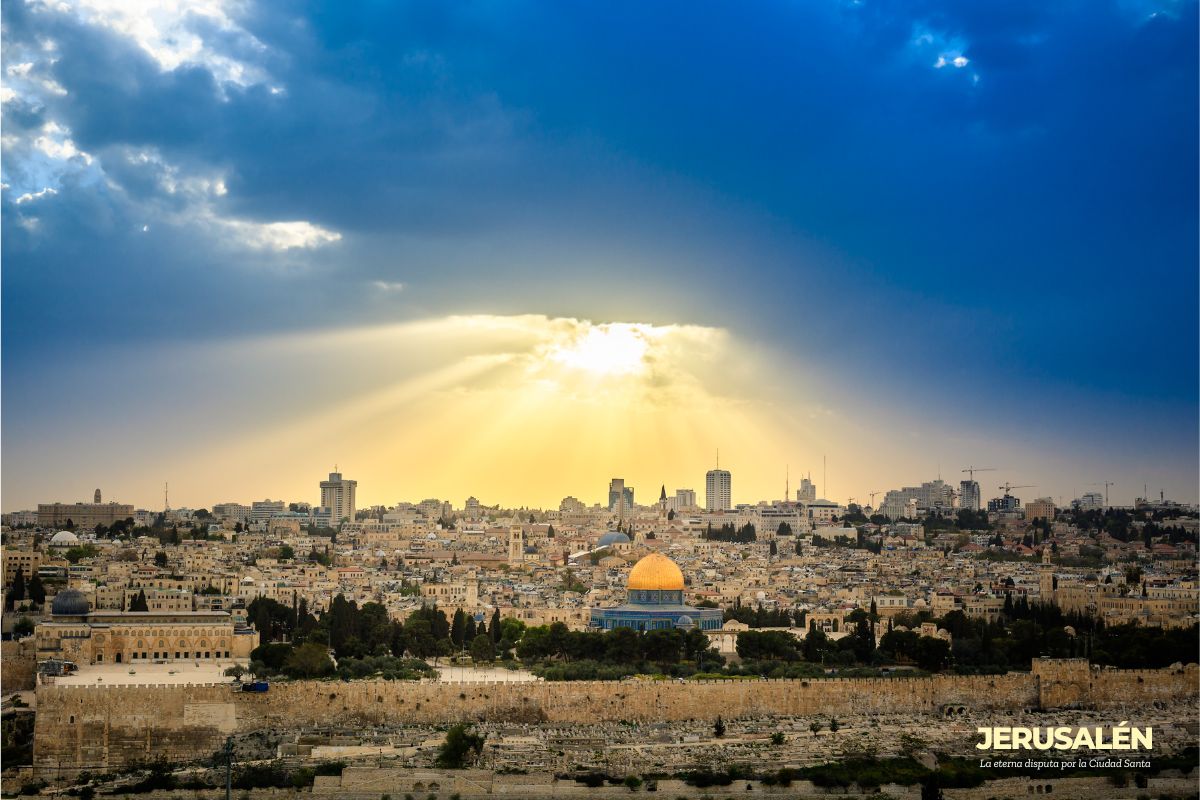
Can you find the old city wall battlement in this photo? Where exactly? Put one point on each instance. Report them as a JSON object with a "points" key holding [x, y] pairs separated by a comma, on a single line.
{"points": [[98, 728]]}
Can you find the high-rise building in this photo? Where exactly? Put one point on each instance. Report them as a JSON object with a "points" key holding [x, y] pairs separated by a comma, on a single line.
{"points": [[337, 495], [969, 496], [1091, 501], [685, 498], [620, 497], [265, 509], [1007, 503], [935, 496], [1042, 508], [717, 494], [807, 493]]}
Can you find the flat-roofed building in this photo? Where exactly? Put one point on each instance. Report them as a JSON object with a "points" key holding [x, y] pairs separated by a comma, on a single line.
{"points": [[82, 515], [76, 633]]}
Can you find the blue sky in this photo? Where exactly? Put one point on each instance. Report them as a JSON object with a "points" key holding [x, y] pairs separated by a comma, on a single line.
{"points": [[977, 221]]}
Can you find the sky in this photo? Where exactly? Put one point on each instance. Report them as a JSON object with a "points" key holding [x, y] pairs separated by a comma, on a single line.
{"points": [[513, 250]]}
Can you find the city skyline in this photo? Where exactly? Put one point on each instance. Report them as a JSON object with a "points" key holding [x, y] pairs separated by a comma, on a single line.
{"points": [[605, 499], [232, 253]]}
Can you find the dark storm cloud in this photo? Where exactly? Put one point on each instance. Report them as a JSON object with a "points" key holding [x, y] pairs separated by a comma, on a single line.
{"points": [[804, 172]]}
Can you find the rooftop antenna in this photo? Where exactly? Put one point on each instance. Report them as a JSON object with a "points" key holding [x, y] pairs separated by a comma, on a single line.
{"points": [[787, 482], [824, 475], [1105, 484]]}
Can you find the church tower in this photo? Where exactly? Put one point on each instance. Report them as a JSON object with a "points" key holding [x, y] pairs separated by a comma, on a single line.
{"points": [[662, 502], [516, 546], [1046, 576], [97, 500]]}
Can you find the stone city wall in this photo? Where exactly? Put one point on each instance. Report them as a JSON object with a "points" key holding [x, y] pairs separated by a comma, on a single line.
{"points": [[17, 665], [99, 728]]}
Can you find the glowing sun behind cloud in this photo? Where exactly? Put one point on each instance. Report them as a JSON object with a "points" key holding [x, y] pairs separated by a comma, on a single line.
{"points": [[517, 409], [608, 349]]}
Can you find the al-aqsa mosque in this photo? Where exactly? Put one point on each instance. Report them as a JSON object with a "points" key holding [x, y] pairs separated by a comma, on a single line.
{"points": [[655, 601]]}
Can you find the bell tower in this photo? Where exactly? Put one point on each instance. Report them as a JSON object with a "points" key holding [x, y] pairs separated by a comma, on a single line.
{"points": [[516, 546], [1046, 576]]}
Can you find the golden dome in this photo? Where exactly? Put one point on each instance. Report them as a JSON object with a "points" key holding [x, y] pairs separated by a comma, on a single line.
{"points": [[655, 571]]}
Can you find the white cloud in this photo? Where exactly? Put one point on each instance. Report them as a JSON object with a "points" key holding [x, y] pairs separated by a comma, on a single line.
{"points": [[166, 31], [945, 50], [56, 143], [31, 196], [388, 287], [279, 236]]}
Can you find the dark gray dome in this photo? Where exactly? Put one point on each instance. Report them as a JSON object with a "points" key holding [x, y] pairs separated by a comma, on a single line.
{"points": [[69, 603], [685, 622], [613, 537]]}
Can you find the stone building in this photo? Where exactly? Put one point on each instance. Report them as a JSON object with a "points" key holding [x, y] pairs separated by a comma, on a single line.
{"points": [[84, 516], [76, 633]]}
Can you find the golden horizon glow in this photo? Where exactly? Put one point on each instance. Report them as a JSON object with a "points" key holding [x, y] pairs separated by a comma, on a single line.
{"points": [[518, 410]]}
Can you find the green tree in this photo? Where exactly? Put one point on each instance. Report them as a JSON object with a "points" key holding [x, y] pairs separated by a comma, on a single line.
{"points": [[461, 748], [309, 660], [482, 649], [932, 654], [160, 559], [17, 592], [458, 628], [815, 645], [511, 628], [37, 592], [719, 728], [138, 602], [77, 554]]}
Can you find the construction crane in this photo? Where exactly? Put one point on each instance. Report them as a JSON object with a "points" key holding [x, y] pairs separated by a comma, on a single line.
{"points": [[972, 470], [1008, 487], [1105, 484], [873, 498]]}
